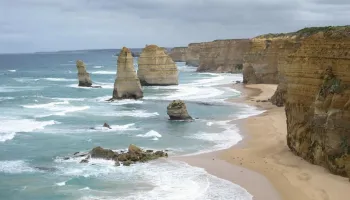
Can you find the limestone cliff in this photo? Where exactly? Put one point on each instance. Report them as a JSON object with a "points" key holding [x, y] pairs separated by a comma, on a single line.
{"points": [[83, 76], [317, 81], [156, 67], [126, 85], [223, 55], [193, 53], [178, 54]]}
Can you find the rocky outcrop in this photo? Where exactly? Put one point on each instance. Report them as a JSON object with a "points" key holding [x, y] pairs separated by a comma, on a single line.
{"points": [[133, 155], [83, 76], [156, 67], [177, 110], [223, 56], [178, 54], [317, 100], [193, 53], [126, 85]]}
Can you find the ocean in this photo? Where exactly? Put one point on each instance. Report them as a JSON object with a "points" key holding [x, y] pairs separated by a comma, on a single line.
{"points": [[45, 116]]}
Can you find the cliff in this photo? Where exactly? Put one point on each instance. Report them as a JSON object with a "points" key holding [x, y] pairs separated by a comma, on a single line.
{"points": [[193, 53], [317, 100], [178, 54], [83, 76], [156, 67], [223, 55], [126, 85]]}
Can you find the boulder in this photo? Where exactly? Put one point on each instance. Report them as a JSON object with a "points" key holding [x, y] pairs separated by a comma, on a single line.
{"points": [[177, 111], [156, 67], [99, 152], [83, 76], [107, 126], [126, 85], [134, 149]]}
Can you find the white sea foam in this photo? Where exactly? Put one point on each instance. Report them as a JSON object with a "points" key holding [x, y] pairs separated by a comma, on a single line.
{"points": [[12, 70], [98, 67], [26, 80], [59, 79], [47, 105], [15, 167], [61, 184], [248, 111], [6, 98], [126, 127], [186, 68], [151, 134], [10, 126], [133, 113], [103, 72]]}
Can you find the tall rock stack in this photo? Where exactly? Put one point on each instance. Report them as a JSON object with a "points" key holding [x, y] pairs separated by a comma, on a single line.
{"points": [[126, 85], [156, 67], [178, 54], [192, 54], [83, 76], [318, 98]]}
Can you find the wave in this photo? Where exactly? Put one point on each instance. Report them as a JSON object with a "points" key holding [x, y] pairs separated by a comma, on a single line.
{"points": [[9, 127], [247, 111], [59, 79], [186, 68], [133, 113], [126, 127], [151, 134], [118, 102], [15, 167], [98, 67], [47, 105], [12, 70], [103, 72], [61, 183]]}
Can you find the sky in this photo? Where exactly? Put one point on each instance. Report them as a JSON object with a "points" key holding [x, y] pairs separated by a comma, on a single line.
{"points": [[51, 25]]}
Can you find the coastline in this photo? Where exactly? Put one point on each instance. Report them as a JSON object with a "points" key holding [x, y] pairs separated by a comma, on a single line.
{"points": [[262, 163]]}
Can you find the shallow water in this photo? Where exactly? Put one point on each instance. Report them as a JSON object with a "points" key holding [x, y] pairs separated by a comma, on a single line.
{"points": [[45, 117]]}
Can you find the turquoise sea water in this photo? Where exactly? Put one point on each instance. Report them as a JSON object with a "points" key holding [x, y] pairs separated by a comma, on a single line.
{"points": [[45, 117]]}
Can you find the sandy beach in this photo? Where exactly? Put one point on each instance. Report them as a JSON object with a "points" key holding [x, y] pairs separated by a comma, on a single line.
{"points": [[263, 164]]}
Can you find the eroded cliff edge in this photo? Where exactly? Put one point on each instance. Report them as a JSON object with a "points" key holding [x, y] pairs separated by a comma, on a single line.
{"points": [[178, 54], [192, 54], [317, 101], [223, 56]]}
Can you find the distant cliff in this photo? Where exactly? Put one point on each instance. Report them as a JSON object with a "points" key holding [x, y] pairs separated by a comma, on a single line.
{"points": [[193, 53], [317, 100], [178, 54], [223, 55]]}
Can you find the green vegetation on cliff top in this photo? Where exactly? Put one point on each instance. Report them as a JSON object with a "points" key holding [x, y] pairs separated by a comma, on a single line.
{"points": [[305, 32]]}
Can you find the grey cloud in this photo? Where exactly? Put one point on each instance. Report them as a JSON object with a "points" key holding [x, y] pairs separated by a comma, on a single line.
{"points": [[45, 25]]}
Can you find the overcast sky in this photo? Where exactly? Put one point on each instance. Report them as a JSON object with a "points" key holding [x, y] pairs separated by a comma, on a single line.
{"points": [[50, 25]]}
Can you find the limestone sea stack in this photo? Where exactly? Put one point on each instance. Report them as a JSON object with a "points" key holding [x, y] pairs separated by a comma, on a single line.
{"points": [[156, 67], [126, 85], [177, 110], [178, 54], [83, 76]]}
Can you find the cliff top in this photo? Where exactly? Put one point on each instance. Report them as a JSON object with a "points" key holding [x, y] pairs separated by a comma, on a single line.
{"points": [[80, 63], [124, 50], [308, 31], [179, 48]]}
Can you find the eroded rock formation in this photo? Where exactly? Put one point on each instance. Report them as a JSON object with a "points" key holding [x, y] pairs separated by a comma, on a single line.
{"points": [[223, 55], [126, 85], [156, 67], [133, 155], [317, 78], [177, 110], [178, 54], [83, 76], [193, 53]]}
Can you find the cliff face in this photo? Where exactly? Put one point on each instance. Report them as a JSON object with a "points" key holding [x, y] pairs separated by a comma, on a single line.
{"points": [[317, 81], [156, 67], [178, 54], [223, 55], [193, 53], [126, 85], [261, 63], [83, 76]]}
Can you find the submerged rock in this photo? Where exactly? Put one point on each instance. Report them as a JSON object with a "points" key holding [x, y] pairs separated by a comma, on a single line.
{"points": [[83, 76], [156, 67], [177, 111], [126, 85], [135, 154], [107, 126]]}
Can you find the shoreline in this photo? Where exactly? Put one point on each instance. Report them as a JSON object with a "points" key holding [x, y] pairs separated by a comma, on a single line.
{"points": [[262, 163]]}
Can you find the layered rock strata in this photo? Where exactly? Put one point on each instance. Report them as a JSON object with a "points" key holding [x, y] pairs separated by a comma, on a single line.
{"points": [[223, 55], [155, 67], [178, 54], [83, 76], [177, 110], [193, 54], [126, 85], [317, 101]]}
